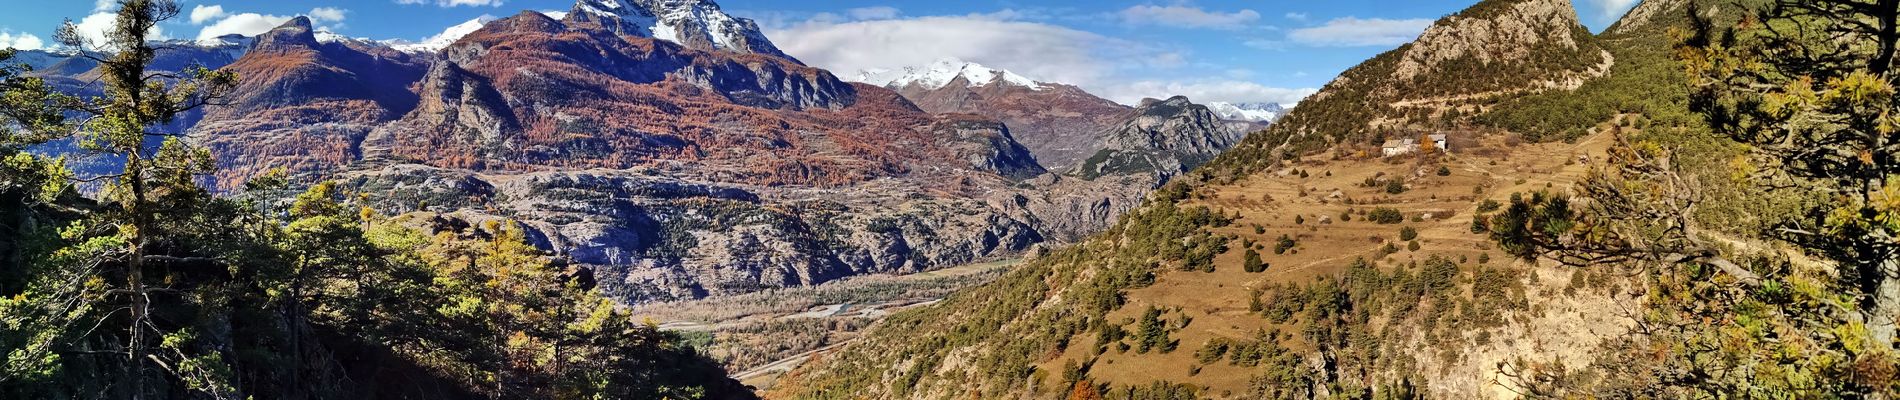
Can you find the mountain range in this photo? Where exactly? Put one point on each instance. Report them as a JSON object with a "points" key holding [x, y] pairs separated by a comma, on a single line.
{"points": [[677, 150]]}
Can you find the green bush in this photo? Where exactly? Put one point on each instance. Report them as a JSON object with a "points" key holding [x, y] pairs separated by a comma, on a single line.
{"points": [[1385, 216], [1252, 262]]}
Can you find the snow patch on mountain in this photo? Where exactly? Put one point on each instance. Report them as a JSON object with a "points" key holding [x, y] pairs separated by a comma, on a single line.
{"points": [[942, 73], [694, 23], [333, 37], [447, 37], [1252, 112]]}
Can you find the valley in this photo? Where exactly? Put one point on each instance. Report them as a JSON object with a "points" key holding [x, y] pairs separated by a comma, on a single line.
{"points": [[760, 336]]}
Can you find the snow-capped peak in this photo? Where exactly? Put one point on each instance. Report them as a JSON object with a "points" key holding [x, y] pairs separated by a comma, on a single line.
{"points": [[324, 36], [447, 37], [941, 73], [693, 23], [1253, 112]]}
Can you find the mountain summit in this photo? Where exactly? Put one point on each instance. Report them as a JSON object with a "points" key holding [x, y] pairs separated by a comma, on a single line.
{"points": [[698, 24], [944, 72]]}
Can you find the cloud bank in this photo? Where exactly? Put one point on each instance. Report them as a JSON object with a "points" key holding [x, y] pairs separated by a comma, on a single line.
{"points": [[1117, 69]]}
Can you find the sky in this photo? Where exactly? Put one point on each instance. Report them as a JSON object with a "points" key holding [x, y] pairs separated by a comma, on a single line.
{"points": [[1124, 50]]}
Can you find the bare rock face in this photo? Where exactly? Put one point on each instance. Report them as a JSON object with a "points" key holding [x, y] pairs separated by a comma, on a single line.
{"points": [[1163, 138], [986, 145], [1494, 32], [658, 238]]}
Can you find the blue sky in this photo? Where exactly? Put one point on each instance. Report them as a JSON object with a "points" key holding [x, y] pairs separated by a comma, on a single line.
{"points": [[1210, 50]]}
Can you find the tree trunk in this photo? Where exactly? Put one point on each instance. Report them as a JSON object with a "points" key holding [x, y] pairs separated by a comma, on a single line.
{"points": [[1889, 14], [135, 277], [1884, 309]]}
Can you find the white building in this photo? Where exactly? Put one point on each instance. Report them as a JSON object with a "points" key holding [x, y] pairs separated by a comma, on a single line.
{"points": [[1394, 147]]}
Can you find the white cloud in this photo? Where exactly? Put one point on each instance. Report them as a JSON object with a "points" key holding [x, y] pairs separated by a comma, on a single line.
{"points": [[1206, 91], [1296, 16], [454, 3], [1265, 44], [20, 41], [248, 24], [873, 13], [1041, 51], [1181, 16], [1103, 65], [102, 5], [201, 13], [327, 14], [252, 24], [1355, 32], [94, 27]]}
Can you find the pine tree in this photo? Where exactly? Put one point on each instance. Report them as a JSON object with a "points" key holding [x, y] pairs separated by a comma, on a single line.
{"points": [[1252, 263]]}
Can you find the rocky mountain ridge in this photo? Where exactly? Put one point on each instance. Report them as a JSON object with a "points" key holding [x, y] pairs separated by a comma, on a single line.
{"points": [[1063, 125], [1163, 137]]}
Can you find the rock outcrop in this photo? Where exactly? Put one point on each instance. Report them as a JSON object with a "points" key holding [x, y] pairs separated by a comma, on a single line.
{"points": [[1163, 138]]}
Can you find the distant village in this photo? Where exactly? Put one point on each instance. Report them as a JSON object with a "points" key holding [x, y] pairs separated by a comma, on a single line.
{"points": [[1396, 147]]}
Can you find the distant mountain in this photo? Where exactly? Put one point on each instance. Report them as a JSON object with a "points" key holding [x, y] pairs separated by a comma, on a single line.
{"points": [[1163, 137], [666, 144], [946, 72], [698, 24], [1059, 123], [442, 40], [677, 170], [1249, 112], [306, 103]]}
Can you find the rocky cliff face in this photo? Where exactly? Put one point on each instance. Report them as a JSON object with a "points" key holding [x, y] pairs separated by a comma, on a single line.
{"points": [[1164, 138], [653, 237], [1496, 32]]}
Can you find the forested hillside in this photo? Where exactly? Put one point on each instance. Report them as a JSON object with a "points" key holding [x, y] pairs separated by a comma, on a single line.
{"points": [[154, 288], [1701, 212]]}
